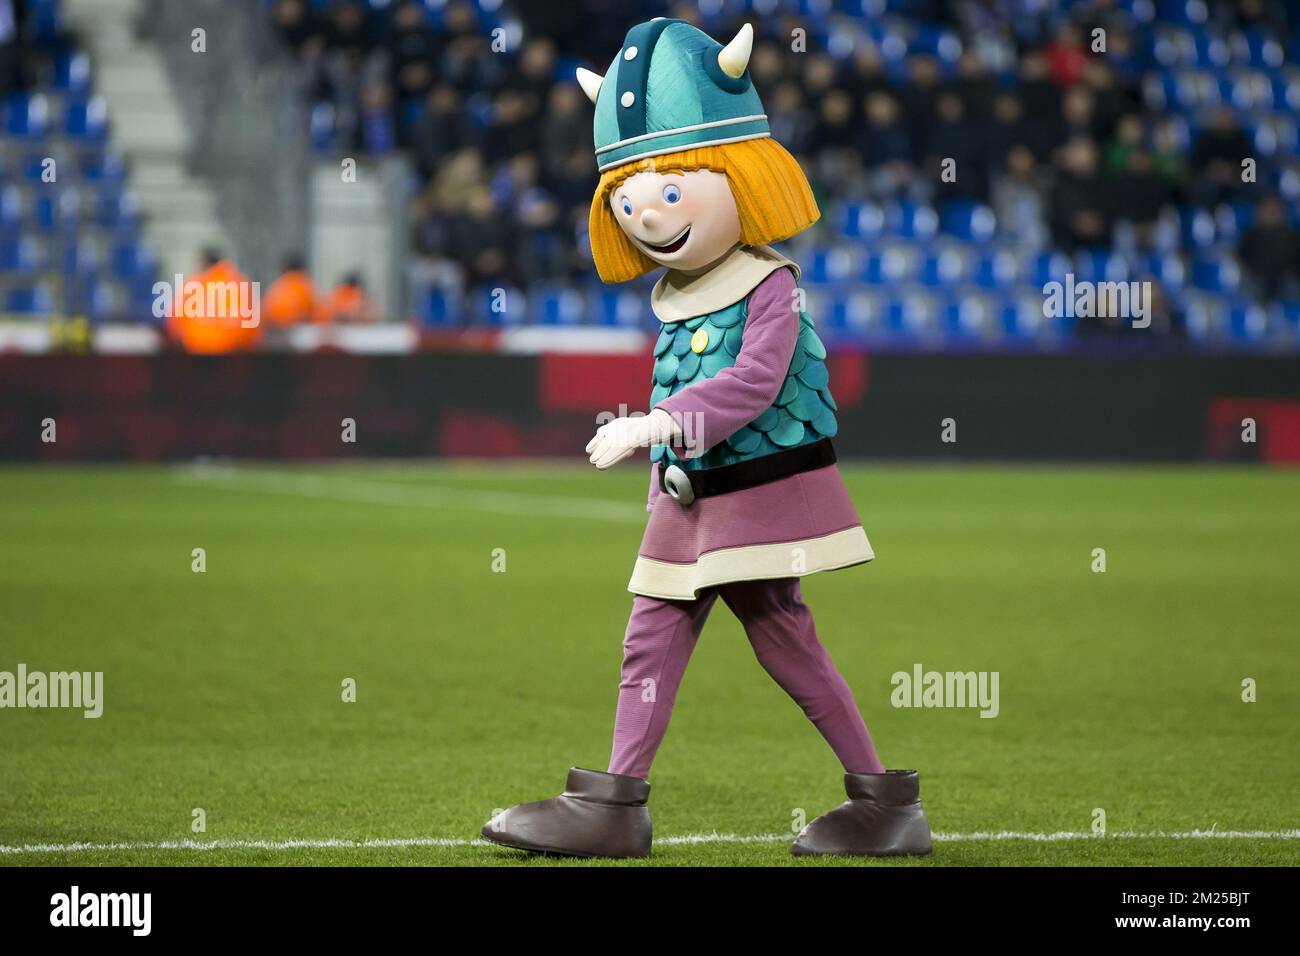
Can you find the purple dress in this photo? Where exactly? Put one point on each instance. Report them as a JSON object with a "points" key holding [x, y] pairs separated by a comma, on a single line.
{"points": [[787, 528]]}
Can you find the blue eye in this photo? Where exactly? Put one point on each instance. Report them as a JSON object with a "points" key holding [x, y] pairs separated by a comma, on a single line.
{"points": [[627, 208], [672, 193]]}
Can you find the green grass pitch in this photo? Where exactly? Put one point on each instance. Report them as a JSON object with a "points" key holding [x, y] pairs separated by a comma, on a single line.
{"points": [[477, 689]]}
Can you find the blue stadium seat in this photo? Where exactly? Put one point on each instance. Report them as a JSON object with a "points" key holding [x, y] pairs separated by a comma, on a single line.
{"points": [[860, 221], [1258, 49], [1216, 273], [886, 266], [1276, 134], [19, 254], [1197, 227], [1286, 91], [29, 299], [46, 22], [911, 220], [101, 166], [556, 305], [973, 317], [996, 270], [1193, 90], [71, 70], [1047, 267], [496, 307], [1247, 323], [850, 312], [1210, 51], [432, 308], [11, 207], [943, 267], [833, 264], [972, 221], [81, 258], [1173, 46], [1168, 268], [26, 117], [1190, 13], [618, 307], [1100, 265], [86, 119], [133, 261]]}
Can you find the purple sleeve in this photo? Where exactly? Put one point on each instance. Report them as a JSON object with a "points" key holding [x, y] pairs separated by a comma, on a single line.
{"points": [[654, 487], [712, 409]]}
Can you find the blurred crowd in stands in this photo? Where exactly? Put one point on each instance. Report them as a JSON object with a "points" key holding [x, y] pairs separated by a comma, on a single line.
{"points": [[1106, 137], [1056, 136]]}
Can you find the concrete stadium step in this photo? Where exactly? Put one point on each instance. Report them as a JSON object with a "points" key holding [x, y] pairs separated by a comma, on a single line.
{"points": [[148, 126]]}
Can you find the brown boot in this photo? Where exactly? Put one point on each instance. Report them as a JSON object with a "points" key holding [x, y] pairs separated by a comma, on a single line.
{"points": [[599, 814], [882, 817]]}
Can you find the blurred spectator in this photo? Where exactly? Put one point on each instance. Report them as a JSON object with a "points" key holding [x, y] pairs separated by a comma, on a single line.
{"points": [[918, 97], [1066, 56], [954, 137], [294, 21], [1018, 199], [885, 147], [1270, 252], [1217, 157], [377, 131], [1041, 99], [975, 86], [1005, 131], [291, 298], [1139, 196], [348, 304], [1080, 214], [209, 316], [1168, 160], [791, 121], [414, 49], [440, 130]]}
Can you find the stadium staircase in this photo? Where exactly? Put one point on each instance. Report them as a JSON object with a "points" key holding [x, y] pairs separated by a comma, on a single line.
{"points": [[149, 129]]}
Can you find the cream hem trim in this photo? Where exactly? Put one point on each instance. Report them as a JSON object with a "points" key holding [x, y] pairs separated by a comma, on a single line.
{"points": [[682, 582], [677, 296]]}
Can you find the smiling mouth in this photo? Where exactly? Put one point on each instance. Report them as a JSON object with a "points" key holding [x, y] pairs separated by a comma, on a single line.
{"points": [[674, 244]]}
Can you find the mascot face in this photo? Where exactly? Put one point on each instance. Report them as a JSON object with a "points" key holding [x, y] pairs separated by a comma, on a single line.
{"points": [[685, 221]]}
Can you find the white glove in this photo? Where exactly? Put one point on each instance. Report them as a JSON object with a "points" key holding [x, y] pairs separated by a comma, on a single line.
{"points": [[617, 439]]}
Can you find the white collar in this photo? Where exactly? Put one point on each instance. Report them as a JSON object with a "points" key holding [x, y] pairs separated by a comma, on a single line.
{"points": [[678, 296]]}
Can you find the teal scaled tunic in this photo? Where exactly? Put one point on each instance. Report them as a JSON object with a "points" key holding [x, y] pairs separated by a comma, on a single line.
{"points": [[803, 412]]}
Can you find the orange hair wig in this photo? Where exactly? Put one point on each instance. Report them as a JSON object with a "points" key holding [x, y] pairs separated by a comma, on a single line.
{"points": [[772, 195]]}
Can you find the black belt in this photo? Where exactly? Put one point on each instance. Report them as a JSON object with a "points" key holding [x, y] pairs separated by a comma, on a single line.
{"points": [[686, 485]]}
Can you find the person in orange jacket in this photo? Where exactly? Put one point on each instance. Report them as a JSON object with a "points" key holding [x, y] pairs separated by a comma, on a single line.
{"points": [[348, 303], [292, 298], [217, 311]]}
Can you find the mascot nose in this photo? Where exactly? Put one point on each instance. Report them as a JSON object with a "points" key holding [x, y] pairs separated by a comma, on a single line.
{"points": [[650, 219]]}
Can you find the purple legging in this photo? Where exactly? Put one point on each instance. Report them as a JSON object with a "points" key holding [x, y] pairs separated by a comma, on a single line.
{"points": [[661, 635]]}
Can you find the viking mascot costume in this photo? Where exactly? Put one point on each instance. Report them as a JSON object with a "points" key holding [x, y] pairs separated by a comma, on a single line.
{"points": [[745, 495]]}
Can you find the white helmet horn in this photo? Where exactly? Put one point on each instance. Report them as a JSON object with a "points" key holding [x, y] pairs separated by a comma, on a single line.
{"points": [[590, 83], [734, 57]]}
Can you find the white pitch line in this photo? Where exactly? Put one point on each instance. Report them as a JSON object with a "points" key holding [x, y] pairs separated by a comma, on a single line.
{"points": [[339, 488], [204, 846]]}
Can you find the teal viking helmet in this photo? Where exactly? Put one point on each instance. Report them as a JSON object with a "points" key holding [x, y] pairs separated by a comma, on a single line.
{"points": [[673, 87]]}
